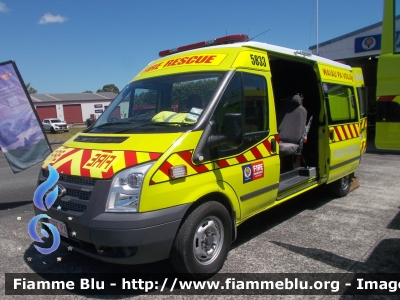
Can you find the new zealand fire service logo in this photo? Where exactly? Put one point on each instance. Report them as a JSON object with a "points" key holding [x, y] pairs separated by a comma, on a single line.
{"points": [[247, 173], [253, 172], [368, 43], [51, 191]]}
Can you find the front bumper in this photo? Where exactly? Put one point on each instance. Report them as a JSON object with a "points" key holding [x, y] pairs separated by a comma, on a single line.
{"points": [[56, 128], [124, 238]]}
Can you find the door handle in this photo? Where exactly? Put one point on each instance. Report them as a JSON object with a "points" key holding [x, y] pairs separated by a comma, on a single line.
{"points": [[332, 134], [273, 145]]}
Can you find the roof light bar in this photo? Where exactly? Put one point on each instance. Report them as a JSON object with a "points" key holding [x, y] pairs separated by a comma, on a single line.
{"points": [[219, 41], [302, 52]]}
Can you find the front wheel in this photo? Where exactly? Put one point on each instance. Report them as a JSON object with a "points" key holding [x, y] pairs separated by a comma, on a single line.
{"points": [[341, 187], [52, 130], [203, 241]]}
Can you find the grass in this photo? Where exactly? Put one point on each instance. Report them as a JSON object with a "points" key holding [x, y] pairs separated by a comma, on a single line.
{"points": [[64, 135]]}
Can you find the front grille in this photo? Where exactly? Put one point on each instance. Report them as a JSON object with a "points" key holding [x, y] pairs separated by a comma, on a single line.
{"points": [[73, 191], [69, 206], [73, 179], [78, 194]]}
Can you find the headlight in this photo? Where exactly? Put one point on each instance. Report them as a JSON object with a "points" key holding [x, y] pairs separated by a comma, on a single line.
{"points": [[125, 189]]}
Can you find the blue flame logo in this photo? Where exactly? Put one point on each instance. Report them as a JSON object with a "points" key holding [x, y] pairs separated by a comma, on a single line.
{"points": [[49, 201]]}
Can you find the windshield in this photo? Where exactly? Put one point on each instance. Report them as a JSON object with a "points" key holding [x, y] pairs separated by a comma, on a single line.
{"points": [[166, 103], [55, 121]]}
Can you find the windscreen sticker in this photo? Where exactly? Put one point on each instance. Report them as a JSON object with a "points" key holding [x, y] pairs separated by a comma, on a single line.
{"points": [[194, 114], [253, 171], [192, 60], [191, 117], [196, 111]]}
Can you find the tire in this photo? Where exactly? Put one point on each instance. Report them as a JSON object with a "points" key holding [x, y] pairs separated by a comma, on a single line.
{"points": [[52, 130], [203, 241], [341, 187]]}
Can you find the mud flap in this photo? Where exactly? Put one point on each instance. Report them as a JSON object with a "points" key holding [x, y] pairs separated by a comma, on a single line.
{"points": [[354, 183]]}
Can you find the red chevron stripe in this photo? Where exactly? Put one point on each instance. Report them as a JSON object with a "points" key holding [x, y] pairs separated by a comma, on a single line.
{"points": [[222, 163], [187, 157], [108, 174], [154, 155], [356, 130], [338, 133], [344, 132], [67, 154], [267, 145], [241, 159], [351, 132], [165, 168], [85, 157], [130, 158], [257, 154], [65, 168]]}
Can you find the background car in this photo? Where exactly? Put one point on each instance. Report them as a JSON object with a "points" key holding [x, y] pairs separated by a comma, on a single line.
{"points": [[55, 125]]}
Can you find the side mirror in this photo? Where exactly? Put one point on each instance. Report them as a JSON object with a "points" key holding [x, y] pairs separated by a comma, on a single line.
{"points": [[233, 133]]}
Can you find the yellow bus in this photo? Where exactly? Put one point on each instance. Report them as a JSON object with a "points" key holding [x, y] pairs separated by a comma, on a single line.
{"points": [[388, 80]]}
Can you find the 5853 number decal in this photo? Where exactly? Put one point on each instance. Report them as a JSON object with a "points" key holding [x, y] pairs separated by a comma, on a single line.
{"points": [[257, 60]]}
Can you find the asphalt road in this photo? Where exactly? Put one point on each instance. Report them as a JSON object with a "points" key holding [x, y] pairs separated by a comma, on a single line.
{"points": [[313, 233]]}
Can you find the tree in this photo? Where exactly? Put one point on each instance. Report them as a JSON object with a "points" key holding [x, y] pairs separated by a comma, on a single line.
{"points": [[109, 88], [30, 89]]}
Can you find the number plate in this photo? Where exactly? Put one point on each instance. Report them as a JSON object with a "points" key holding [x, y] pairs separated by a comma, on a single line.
{"points": [[62, 228]]}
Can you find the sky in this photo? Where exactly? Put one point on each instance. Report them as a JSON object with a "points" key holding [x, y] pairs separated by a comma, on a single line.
{"points": [[74, 46]]}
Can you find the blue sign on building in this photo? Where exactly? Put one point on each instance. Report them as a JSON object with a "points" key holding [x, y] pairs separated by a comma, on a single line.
{"points": [[367, 43], [372, 42]]}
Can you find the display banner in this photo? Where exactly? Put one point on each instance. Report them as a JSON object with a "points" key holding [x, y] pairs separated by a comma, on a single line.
{"points": [[22, 138]]}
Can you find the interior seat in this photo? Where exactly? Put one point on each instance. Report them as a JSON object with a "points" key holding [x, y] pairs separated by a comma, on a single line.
{"points": [[291, 126]]}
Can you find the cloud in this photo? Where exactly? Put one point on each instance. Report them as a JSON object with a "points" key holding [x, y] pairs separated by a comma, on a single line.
{"points": [[3, 7], [49, 18]]}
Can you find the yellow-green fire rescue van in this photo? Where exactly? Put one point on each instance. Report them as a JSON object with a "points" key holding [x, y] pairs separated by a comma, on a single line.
{"points": [[199, 141]]}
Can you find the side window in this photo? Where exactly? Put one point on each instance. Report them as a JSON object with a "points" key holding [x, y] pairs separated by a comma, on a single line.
{"points": [[363, 102], [255, 103], [340, 102], [231, 101], [245, 94]]}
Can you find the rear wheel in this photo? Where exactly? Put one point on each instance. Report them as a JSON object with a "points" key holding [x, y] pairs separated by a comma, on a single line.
{"points": [[203, 241], [341, 187]]}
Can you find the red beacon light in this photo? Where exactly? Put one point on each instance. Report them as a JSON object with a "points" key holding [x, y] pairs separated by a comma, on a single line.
{"points": [[236, 38]]}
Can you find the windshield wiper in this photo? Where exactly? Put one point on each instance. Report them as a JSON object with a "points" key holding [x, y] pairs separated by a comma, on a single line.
{"points": [[113, 123], [170, 123]]}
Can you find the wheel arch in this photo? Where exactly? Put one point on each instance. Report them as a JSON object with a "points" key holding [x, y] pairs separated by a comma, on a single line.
{"points": [[217, 197]]}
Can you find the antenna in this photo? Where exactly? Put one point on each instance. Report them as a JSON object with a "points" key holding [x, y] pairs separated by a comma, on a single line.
{"points": [[317, 29], [258, 35]]}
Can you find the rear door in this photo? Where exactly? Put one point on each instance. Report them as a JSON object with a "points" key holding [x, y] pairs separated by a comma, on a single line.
{"points": [[362, 101], [342, 121]]}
